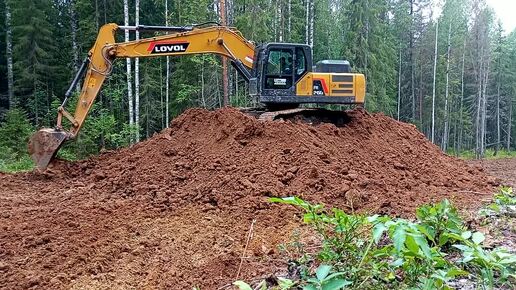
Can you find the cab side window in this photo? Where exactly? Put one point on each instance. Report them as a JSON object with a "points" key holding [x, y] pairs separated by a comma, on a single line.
{"points": [[300, 63], [279, 62]]}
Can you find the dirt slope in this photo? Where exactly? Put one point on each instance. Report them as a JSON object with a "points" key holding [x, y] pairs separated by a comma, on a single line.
{"points": [[173, 212]]}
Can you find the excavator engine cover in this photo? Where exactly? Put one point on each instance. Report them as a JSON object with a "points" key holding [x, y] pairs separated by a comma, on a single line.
{"points": [[44, 144]]}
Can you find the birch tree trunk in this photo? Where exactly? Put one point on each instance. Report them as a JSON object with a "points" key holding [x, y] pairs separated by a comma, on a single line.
{"points": [[275, 22], [307, 24], [411, 60], [484, 112], [444, 145], [461, 122], [162, 107], [509, 126], [203, 99], [498, 137], [479, 106], [97, 15], [399, 85], [312, 23], [281, 22], [289, 21], [128, 69], [225, 80], [137, 77], [9, 55], [167, 77], [75, 51], [433, 90]]}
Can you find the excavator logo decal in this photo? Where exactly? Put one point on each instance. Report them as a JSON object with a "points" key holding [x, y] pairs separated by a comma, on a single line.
{"points": [[168, 47]]}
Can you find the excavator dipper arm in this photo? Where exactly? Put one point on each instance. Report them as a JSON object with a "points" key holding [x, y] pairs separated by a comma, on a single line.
{"points": [[220, 40]]}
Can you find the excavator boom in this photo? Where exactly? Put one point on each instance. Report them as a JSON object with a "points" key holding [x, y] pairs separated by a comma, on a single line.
{"points": [[221, 40]]}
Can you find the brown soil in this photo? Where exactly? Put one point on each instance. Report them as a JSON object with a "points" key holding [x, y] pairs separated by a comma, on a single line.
{"points": [[504, 168], [174, 211]]}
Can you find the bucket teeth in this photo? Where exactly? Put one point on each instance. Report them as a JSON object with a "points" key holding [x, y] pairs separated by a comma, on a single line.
{"points": [[44, 144]]}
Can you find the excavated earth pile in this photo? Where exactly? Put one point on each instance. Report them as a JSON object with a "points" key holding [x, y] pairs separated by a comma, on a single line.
{"points": [[174, 211]]}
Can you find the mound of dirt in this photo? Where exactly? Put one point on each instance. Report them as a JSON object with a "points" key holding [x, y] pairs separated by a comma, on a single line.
{"points": [[174, 211], [225, 158]]}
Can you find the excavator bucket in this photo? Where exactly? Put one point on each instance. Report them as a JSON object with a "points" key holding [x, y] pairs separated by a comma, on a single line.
{"points": [[44, 144]]}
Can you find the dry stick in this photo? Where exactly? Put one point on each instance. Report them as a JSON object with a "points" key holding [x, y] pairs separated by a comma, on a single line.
{"points": [[475, 192], [249, 237]]}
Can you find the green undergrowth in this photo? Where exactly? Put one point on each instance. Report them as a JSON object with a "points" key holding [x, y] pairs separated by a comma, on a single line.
{"points": [[489, 154], [11, 162], [435, 251]]}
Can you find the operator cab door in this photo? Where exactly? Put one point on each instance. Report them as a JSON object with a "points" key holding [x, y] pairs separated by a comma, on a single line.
{"points": [[278, 75]]}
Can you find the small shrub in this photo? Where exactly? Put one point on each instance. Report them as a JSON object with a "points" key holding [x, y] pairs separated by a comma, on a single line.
{"points": [[378, 252]]}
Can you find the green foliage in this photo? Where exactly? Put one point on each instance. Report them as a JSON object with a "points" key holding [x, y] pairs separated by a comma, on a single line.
{"points": [[323, 280], [15, 132], [504, 203], [378, 252], [437, 220], [489, 154], [10, 163], [283, 284]]}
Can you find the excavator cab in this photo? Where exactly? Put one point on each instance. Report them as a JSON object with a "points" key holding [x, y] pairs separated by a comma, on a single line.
{"points": [[278, 68], [283, 77]]}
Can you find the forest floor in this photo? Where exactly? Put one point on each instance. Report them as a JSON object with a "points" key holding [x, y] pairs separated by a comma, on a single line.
{"points": [[175, 211], [505, 169]]}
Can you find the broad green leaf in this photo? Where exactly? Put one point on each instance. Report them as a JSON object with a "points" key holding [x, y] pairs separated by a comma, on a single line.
{"points": [[411, 244], [262, 285], [334, 275], [454, 272], [466, 235], [478, 238], [309, 287], [427, 231], [463, 248], [242, 285], [423, 245], [322, 272], [294, 200], [506, 258], [335, 284], [378, 230], [467, 258], [284, 283], [443, 239], [373, 218], [397, 263], [399, 237]]}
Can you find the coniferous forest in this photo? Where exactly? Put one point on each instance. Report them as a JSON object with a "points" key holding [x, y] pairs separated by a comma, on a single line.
{"points": [[447, 66]]}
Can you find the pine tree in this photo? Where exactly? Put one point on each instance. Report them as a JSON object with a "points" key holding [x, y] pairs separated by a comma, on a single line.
{"points": [[33, 49]]}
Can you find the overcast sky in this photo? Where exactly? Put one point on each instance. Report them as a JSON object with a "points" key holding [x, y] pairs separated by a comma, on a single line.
{"points": [[506, 11]]}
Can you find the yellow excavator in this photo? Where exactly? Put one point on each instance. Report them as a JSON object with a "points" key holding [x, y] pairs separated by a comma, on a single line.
{"points": [[280, 75]]}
